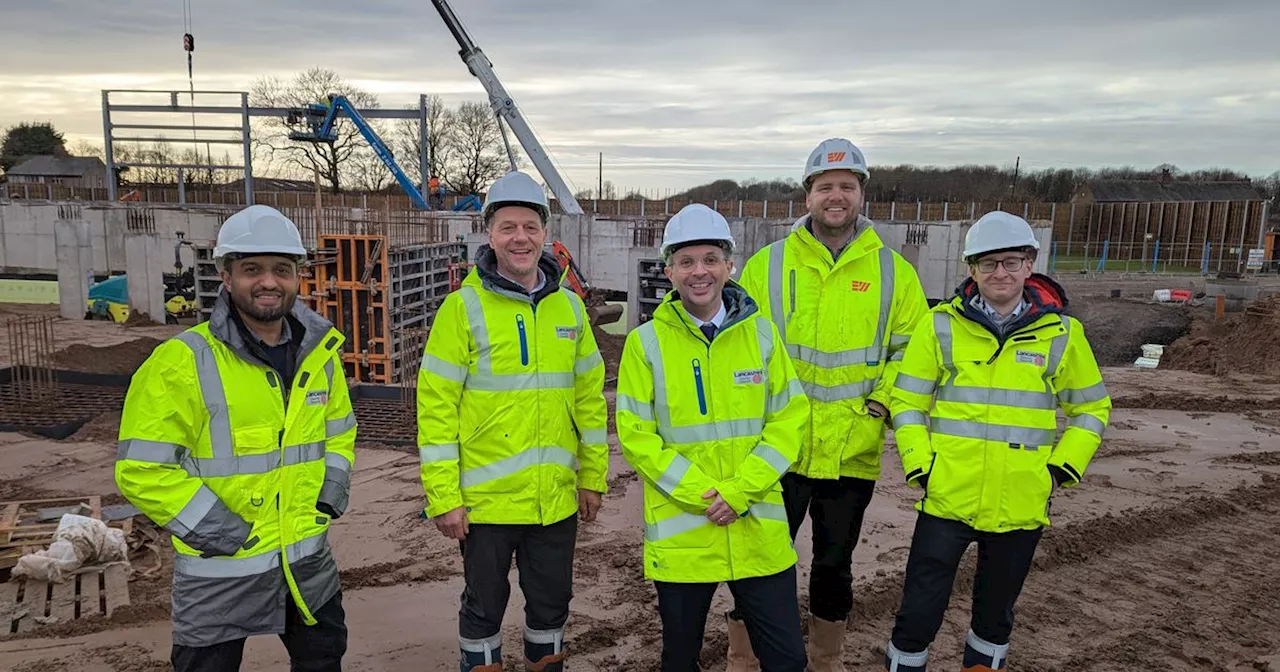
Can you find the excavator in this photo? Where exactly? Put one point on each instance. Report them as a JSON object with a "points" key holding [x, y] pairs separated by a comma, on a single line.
{"points": [[599, 312]]}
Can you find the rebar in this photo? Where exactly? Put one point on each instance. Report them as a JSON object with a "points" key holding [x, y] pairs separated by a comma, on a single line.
{"points": [[412, 343], [31, 357]]}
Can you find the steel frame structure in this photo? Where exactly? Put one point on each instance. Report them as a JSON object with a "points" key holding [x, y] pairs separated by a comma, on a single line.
{"points": [[243, 111]]}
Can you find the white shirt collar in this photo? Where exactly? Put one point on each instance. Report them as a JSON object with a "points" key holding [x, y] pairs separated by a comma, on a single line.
{"points": [[717, 319]]}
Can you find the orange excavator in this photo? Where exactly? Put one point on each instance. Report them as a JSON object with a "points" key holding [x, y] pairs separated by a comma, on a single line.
{"points": [[599, 312]]}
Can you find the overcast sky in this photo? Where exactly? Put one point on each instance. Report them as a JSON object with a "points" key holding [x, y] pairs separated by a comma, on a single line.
{"points": [[676, 93]]}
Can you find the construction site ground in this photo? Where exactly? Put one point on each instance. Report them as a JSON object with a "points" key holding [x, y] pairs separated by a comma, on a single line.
{"points": [[1165, 557]]}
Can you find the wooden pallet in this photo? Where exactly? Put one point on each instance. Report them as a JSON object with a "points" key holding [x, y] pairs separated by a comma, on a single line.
{"points": [[92, 593], [21, 532]]}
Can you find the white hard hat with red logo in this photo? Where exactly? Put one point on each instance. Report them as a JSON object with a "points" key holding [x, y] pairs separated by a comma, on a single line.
{"points": [[835, 154]]}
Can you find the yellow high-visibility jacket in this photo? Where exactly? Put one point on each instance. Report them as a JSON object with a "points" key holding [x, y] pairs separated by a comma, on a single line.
{"points": [[511, 408], [694, 416], [845, 324], [977, 413], [217, 451]]}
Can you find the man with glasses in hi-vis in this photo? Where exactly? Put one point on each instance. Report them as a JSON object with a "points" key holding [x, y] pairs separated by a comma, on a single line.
{"points": [[975, 419]]}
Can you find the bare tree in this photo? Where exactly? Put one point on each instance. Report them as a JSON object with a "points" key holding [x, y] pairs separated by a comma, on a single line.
{"points": [[333, 160], [408, 142], [609, 193], [475, 142]]}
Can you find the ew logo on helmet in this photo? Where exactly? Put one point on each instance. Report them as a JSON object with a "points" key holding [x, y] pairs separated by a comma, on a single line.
{"points": [[748, 377], [317, 398], [570, 333], [860, 286], [835, 157], [1028, 357]]}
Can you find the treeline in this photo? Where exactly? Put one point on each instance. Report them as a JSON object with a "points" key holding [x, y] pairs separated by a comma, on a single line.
{"points": [[971, 183]]}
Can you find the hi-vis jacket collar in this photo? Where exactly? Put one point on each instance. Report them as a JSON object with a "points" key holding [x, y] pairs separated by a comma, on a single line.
{"points": [[738, 306], [858, 245], [223, 328], [486, 269], [1043, 294]]}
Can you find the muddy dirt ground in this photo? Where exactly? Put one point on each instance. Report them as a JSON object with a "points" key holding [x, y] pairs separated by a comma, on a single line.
{"points": [[1163, 559]]}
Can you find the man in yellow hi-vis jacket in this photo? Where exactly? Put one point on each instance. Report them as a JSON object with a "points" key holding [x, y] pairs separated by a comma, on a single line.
{"points": [[710, 414], [975, 419], [511, 430], [237, 436], [845, 305]]}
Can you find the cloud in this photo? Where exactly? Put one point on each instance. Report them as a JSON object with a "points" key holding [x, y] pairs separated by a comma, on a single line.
{"points": [[677, 93]]}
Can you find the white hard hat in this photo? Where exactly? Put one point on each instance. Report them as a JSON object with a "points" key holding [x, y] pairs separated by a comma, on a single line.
{"points": [[516, 188], [259, 229], [998, 231], [835, 154], [696, 222]]}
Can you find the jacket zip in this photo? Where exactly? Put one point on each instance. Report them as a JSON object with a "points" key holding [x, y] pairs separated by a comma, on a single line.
{"points": [[697, 380], [524, 343], [793, 295]]}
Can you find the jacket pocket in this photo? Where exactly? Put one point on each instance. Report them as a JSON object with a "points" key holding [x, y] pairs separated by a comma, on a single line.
{"points": [[1027, 487]]}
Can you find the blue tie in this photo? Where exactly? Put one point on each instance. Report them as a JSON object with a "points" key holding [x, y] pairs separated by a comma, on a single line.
{"points": [[708, 330]]}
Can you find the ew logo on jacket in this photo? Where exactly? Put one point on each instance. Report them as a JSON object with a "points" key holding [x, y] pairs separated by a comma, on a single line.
{"points": [[860, 286], [1028, 357], [570, 333], [748, 377], [317, 398]]}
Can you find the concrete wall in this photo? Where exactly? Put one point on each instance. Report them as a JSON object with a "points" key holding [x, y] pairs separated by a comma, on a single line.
{"points": [[28, 246]]}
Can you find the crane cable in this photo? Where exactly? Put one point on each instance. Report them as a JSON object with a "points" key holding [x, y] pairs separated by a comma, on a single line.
{"points": [[189, 46]]}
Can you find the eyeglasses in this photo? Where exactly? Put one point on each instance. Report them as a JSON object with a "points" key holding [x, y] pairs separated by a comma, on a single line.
{"points": [[1012, 264], [710, 262]]}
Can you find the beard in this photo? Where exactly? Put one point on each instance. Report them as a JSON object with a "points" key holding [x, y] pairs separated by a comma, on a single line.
{"points": [[837, 227], [246, 307]]}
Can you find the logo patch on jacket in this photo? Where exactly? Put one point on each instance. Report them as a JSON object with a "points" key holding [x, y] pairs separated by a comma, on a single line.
{"points": [[860, 286], [1028, 357], [748, 377], [317, 398], [570, 333]]}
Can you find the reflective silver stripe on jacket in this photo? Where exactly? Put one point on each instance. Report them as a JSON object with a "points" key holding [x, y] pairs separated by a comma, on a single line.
{"points": [[438, 453], [215, 398], [522, 460], [1085, 395], [909, 383], [333, 428], [630, 404], [446, 370], [685, 522], [479, 330], [837, 393], [257, 463], [1028, 437], [220, 567]]}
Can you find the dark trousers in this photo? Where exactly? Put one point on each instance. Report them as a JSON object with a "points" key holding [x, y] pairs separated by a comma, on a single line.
{"points": [[312, 648], [544, 556], [768, 605], [837, 507], [936, 547]]}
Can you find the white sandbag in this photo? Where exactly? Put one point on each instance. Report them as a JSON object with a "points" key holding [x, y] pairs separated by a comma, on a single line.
{"points": [[78, 541]]}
